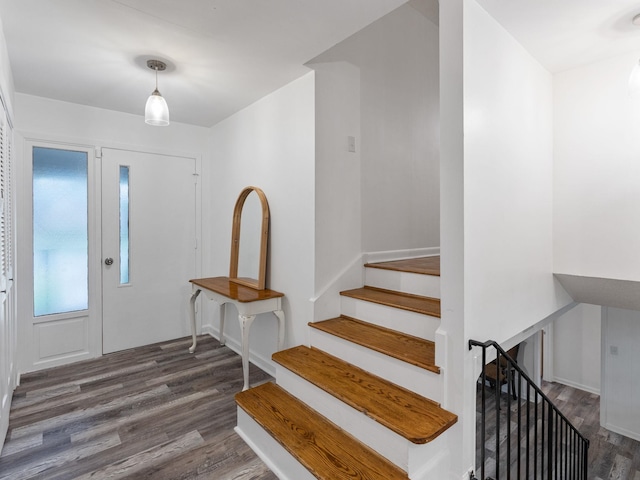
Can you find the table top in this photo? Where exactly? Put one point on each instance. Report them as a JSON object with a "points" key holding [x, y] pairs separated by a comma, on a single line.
{"points": [[224, 286]]}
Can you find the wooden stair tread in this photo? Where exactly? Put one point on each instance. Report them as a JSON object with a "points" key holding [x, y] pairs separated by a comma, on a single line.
{"points": [[421, 265], [406, 301], [322, 447], [408, 414], [410, 349]]}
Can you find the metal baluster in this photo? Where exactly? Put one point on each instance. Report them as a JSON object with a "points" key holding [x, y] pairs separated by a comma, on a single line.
{"points": [[497, 389], [484, 414], [550, 445], [535, 438], [528, 430], [508, 421], [565, 449], [519, 425]]}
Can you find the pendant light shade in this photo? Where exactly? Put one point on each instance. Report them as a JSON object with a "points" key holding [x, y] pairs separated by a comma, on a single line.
{"points": [[156, 111]]}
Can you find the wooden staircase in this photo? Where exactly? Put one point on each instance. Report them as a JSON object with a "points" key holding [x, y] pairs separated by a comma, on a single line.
{"points": [[363, 401]]}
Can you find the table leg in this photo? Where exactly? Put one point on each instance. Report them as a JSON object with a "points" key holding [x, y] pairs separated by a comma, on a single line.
{"points": [[222, 312], [281, 328], [192, 315], [245, 325]]}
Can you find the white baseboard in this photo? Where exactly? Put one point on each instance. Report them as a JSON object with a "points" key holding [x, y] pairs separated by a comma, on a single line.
{"points": [[390, 255], [622, 431], [579, 386], [326, 303], [264, 364]]}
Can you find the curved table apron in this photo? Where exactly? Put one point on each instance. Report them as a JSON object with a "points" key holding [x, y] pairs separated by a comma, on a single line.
{"points": [[248, 301]]}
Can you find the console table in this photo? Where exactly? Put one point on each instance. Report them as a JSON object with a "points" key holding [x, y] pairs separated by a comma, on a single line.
{"points": [[248, 301]]}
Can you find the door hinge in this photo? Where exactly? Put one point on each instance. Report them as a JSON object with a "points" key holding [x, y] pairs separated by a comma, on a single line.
{"points": [[98, 152], [196, 175]]}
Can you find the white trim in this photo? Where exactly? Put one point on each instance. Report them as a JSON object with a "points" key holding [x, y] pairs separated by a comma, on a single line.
{"points": [[549, 356], [358, 261], [579, 386], [29, 359], [5, 108], [264, 364], [94, 142], [622, 431], [389, 255], [604, 384], [326, 304]]}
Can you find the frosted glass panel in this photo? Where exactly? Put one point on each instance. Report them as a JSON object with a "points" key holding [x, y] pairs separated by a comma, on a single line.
{"points": [[124, 224], [60, 255]]}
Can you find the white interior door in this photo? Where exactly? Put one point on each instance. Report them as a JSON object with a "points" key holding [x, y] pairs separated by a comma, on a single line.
{"points": [[148, 247]]}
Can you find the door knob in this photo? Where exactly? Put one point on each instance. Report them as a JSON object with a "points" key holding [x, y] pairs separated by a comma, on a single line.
{"points": [[108, 261]]}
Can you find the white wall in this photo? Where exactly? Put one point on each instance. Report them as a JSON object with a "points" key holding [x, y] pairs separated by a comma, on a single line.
{"points": [[620, 396], [596, 174], [63, 121], [451, 351], [399, 129], [507, 183], [576, 348], [338, 207], [269, 144]]}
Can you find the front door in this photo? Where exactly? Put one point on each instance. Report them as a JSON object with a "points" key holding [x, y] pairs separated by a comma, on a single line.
{"points": [[148, 247]]}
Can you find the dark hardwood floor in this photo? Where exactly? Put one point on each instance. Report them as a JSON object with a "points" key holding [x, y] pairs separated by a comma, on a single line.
{"points": [[159, 412], [151, 412], [611, 456]]}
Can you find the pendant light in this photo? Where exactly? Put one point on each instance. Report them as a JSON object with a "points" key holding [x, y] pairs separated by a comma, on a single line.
{"points": [[156, 111]]}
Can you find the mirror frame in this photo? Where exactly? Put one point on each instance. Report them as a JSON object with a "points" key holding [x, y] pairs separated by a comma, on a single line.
{"points": [[260, 282]]}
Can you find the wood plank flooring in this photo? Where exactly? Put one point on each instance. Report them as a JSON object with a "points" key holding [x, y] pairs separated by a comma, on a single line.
{"points": [[151, 412], [611, 456], [159, 412]]}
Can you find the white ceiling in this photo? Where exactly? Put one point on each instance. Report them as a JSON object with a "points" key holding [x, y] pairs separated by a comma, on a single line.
{"points": [[226, 54], [564, 34], [223, 54]]}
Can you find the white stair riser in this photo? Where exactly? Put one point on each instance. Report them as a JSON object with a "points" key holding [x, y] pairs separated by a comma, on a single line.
{"points": [[415, 283], [384, 441], [274, 455], [411, 323], [423, 382], [429, 461]]}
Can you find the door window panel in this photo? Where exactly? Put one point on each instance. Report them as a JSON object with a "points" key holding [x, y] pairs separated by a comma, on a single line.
{"points": [[124, 225], [60, 233]]}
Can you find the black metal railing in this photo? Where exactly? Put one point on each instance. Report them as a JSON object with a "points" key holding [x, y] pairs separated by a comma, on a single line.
{"points": [[530, 439]]}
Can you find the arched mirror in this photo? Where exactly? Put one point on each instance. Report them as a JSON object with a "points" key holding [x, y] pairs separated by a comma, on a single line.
{"points": [[249, 238]]}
